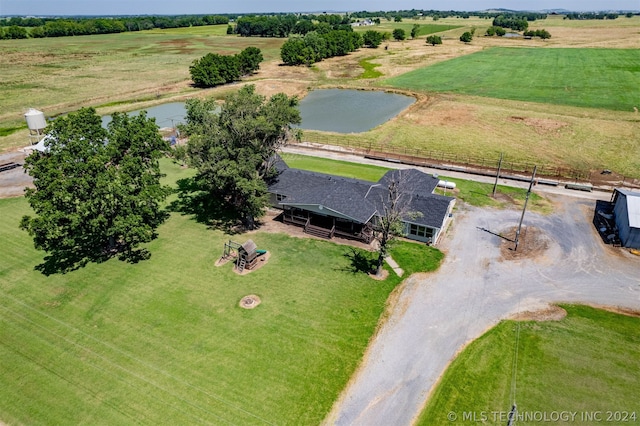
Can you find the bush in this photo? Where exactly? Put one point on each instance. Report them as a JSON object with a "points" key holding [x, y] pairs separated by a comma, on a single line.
{"points": [[434, 39], [466, 37]]}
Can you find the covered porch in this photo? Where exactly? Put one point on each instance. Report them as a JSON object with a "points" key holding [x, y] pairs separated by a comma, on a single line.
{"points": [[327, 226]]}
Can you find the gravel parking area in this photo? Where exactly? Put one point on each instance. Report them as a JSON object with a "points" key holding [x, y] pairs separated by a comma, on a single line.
{"points": [[13, 182], [437, 315]]}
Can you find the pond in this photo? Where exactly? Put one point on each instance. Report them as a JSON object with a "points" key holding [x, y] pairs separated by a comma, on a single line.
{"points": [[166, 115], [331, 110], [350, 111]]}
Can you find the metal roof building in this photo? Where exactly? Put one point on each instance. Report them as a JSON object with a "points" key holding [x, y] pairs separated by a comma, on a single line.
{"points": [[626, 208]]}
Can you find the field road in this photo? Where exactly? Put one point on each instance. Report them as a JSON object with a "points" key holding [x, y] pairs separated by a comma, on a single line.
{"points": [[436, 315]]}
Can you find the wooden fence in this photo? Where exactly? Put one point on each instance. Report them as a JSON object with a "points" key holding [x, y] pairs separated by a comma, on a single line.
{"points": [[423, 157]]}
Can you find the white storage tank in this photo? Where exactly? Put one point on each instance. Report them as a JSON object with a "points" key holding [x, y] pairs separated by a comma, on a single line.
{"points": [[446, 184], [35, 120]]}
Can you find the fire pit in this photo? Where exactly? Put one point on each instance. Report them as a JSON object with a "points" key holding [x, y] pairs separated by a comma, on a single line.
{"points": [[250, 302]]}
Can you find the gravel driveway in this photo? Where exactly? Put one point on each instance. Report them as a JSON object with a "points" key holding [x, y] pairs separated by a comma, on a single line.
{"points": [[476, 287]]}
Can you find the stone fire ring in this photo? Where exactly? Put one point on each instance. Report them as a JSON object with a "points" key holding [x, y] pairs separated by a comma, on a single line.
{"points": [[250, 302]]}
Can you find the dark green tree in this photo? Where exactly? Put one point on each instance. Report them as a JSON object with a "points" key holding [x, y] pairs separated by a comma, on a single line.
{"points": [[372, 38], [233, 150], [97, 192], [292, 51], [415, 31], [249, 60], [399, 34], [434, 39], [466, 37], [213, 70]]}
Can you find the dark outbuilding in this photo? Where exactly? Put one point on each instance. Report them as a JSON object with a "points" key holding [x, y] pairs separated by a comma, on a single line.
{"points": [[626, 209]]}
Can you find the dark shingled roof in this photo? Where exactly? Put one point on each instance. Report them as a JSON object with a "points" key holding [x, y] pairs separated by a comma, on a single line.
{"points": [[343, 195], [359, 199]]}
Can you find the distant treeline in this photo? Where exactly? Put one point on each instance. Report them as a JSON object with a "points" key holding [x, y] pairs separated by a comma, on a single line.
{"points": [[285, 25], [61, 27], [437, 14], [592, 15]]}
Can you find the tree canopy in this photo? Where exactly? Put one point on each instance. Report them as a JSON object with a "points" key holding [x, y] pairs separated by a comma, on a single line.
{"points": [[466, 37], [434, 39], [372, 38], [97, 191], [318, 45], [214, 69], [233, 150], [399, 34]]}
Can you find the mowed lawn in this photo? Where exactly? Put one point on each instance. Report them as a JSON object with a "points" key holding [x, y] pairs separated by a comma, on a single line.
{"points": [[164, 341], [587, 362], [594, 78]]}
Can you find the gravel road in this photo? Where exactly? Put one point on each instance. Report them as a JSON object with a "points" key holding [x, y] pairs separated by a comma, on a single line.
{"points": [[476, 287]]}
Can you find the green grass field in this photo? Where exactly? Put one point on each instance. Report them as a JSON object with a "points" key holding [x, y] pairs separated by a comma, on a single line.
{"points": [[593, 78], [588, 362], [58, 74], [164, 341], [426, 27]]}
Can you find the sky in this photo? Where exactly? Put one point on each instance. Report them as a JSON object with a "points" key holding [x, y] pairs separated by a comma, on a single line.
{"points": [[179, 7]]}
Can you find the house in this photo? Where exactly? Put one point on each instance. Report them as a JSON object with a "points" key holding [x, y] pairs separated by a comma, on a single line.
{"points": [[327, 205], [626, 210]]}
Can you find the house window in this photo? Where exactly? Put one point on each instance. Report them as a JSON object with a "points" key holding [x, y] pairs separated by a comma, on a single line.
{"points": [[280, 197], [420, 231]]}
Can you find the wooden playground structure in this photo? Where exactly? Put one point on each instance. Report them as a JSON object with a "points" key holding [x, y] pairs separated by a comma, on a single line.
{"points": [[246, 255]]}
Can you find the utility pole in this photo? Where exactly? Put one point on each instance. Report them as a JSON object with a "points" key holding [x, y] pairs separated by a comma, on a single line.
{"points": [[526, 200], [495, 185]]}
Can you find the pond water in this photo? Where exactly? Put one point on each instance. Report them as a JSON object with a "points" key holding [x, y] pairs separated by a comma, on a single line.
{"points": [[166, 115], [331, 110], [350, 111]]}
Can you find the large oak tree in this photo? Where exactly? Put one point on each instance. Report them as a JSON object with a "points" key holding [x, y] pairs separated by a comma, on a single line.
{"points": [[97, 191], [233, 149]]}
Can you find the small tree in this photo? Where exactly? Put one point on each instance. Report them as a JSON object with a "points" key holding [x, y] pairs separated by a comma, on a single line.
{"points": [[415, 30], [249, 60], [389, 224], [466, 37], [372, 38], [399, 34], [213, 70], [230, 30], [434, 39]]}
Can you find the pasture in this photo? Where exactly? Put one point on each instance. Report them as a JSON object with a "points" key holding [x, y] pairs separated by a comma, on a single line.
{"points": [[585, 363], [587, 78], [136, 70], [164, 341]]}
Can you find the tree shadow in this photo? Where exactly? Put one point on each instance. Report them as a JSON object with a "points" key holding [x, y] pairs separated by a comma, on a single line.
{"points": [[360, 261], [64, 261], [195, 201]]}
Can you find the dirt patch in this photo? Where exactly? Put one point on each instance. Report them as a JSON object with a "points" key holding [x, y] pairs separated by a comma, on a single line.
{"points": [[383, 275], [249, 302], [552, 313], [541, 126], [442, 114], [619, 310], [531, 243]]}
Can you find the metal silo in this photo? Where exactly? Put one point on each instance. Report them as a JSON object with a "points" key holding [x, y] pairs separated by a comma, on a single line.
{"points": [[36, 124]]}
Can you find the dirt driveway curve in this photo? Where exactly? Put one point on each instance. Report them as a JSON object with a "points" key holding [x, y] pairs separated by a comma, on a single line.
{"points": [[437, 315]]}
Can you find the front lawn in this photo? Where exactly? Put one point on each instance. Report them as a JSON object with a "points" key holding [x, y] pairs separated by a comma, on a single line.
{"points": [[164, 341]]}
